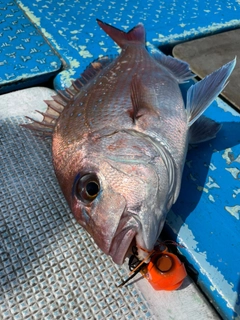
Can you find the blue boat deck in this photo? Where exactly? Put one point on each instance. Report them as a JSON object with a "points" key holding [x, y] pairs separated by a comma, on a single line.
{"points": [[44, 41], [26, 58]]}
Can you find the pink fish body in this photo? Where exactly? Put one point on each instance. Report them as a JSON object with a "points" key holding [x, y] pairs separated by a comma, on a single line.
{"points": [[119, 140]]}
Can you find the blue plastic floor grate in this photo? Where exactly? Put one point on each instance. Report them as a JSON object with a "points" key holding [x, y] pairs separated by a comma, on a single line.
{"points": [[25, 57], [71, 26], [205, 218]]}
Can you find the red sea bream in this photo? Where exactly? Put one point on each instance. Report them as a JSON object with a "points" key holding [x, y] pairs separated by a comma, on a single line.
{"points": [[119, 139]]}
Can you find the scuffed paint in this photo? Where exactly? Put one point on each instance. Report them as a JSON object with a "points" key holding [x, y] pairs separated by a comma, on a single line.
{"points": [[85, 53], [104, 49], [236, 192], [234, 211], [26, 58], [18, 78], [192, 177], [189, 163], [212, 167], [37, 22], [176, 37], [235, 172], [202, 189], [75, 31], [30, 14], [211, 198], [227, 108], [68, 75], [228, 155], [54, 64], [237, 159], [215, 277], [211, 183]]}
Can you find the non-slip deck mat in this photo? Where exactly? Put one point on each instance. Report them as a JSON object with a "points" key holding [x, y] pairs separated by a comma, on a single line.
{"points": [[25, 56], [49, 267]]}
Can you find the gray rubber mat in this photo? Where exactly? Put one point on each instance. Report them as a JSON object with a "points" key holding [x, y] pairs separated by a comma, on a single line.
{"points": [[49, 267]]}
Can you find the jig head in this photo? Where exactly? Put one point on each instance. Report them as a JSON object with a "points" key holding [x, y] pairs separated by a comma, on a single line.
{"points": [[164, 271]]}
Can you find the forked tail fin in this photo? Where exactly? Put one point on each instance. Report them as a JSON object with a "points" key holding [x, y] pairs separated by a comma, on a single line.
{"points": [[136, 34], [204, 92]]}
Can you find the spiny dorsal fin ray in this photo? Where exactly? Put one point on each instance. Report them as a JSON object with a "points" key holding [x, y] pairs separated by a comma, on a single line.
{"points": [[58, 98], [54, 106], [62, 99], [42, 123], [48, 117], [39, 126], [64, 95], [92, 70]]}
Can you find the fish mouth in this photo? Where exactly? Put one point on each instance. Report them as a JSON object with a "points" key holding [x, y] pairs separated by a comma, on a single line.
{"points": [[123, 239]]}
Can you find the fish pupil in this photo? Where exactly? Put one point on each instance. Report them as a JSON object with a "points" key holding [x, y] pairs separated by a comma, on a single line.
{"points": [[92, 188], [86, 187]]}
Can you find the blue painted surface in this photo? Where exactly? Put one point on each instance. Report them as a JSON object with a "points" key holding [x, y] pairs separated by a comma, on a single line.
{"points": [[71, 26], [206, 216], [24, 54]]}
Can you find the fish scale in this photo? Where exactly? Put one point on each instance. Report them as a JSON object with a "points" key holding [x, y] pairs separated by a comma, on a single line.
{"points": [[107, 85], [120, 141]]}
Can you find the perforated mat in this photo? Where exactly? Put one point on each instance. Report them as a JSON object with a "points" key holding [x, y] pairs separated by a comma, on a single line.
{"points": [[49, 267]]}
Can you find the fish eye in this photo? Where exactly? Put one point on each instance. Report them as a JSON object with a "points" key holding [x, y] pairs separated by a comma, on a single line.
{"points": [[87, 188]]}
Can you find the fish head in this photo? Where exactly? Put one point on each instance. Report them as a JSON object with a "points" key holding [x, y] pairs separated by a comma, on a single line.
{"points": [[119, 195]]}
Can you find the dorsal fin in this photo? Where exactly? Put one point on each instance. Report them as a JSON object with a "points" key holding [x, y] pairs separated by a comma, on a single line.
{"points": [[64, 97], [178, 68], [92, 70], [136, 34], [50, 117]]}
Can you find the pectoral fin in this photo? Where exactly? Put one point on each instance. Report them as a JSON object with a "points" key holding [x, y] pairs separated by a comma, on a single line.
{"points": [[141, 105]]}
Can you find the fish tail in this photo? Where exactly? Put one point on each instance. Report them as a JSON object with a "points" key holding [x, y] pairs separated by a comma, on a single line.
{"points": [[202, 94], [136, 34]]}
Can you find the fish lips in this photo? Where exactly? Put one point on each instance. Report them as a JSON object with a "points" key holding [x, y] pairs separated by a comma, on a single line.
{"points": [[123, 238]]}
